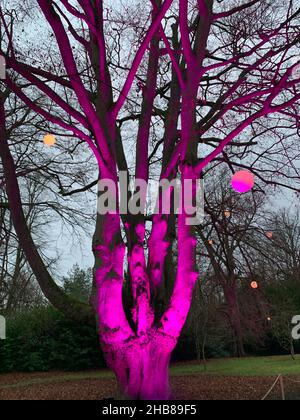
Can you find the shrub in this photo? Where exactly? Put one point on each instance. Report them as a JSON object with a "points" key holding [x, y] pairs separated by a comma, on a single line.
{"points": [[43, 340]]}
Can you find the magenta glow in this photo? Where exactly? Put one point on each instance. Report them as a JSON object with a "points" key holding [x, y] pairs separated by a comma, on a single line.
{"points": [[243, 181]]}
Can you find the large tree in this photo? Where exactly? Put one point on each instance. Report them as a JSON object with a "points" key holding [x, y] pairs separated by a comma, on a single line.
{"points": [[208, 73]]}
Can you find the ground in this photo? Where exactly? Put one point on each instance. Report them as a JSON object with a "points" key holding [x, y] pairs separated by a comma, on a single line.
{"points": [[226, 379]]}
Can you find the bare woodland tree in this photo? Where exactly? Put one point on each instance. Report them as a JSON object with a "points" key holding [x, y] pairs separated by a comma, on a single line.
{"points": [[208, 73], [281, 258], [231, 235], [285, 245], [18, 288], [39, 176]]}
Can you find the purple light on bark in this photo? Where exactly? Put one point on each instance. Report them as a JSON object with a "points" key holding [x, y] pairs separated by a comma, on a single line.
{"points": [[242, 181]]}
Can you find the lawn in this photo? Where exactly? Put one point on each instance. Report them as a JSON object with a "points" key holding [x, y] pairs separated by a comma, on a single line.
{"points": [[251, 366], [236, 379]]}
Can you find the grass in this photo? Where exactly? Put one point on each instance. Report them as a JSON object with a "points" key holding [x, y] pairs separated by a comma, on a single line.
{"points": [[252, 366], [63, 377]]}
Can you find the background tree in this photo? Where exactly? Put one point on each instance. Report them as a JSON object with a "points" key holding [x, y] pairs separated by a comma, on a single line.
{"points": [[231, 235], [40, 176], [78, 284]]}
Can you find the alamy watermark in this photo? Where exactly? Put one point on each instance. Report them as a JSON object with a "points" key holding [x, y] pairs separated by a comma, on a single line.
{"points": [[296, 329], [2, 328], [296, 71], [154, 197]]}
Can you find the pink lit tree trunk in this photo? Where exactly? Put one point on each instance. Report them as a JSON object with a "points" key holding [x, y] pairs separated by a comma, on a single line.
{"points": [[138, 346]]}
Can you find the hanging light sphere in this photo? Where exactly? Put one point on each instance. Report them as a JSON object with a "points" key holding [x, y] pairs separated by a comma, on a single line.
{"points": [[49, 140], [242, 181], [254, 285]]}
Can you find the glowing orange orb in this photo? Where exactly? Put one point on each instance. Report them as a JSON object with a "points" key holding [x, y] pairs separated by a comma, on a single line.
{"points": [[227, 214], [242, 181], [254, 285], [49, 140], [269, 319]]}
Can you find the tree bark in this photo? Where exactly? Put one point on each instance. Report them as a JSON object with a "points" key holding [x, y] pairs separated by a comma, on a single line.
{"points": [[236, 326], [141, 366], [234, 316]]}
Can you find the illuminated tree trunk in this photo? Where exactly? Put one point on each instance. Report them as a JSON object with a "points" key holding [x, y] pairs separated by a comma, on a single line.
{"points": [[138, 356], [142, 366], [138, 350]]}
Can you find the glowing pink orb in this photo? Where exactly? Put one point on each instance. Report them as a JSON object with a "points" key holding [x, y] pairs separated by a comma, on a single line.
{"points": [[242, 181]]}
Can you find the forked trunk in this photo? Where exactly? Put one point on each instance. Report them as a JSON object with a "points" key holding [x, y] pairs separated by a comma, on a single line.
{"points": [[138, 348]]}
